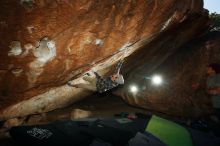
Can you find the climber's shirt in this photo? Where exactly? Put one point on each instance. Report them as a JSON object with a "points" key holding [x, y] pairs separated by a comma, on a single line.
{"points": [[212, 82], [104, 84]]}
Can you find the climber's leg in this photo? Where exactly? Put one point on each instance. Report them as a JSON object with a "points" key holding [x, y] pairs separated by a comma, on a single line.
{"points": [[91, 86], [91, 80], [86, 86], [88, 78]]}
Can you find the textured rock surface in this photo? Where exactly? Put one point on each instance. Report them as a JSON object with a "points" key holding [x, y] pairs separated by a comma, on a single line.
{"points": [[45, 43], [180, 71]]}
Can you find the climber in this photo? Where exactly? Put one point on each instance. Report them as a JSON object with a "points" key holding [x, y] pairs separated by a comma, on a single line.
{"points": [[213, 87], [101, 84]]}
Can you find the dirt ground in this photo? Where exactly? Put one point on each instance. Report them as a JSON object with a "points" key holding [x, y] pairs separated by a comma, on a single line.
{"points": [[94, 106]]}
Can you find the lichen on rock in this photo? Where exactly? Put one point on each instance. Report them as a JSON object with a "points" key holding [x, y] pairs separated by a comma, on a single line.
{"points": [[16, 49]]}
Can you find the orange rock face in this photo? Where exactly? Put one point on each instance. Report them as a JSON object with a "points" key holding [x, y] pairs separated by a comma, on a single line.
{"points": [[45, 43]]}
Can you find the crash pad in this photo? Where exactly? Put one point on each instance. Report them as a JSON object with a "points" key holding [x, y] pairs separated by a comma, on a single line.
{"points": [[169, 132]]}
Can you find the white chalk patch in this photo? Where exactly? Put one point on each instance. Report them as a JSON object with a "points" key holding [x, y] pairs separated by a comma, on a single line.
{"points": [[167, 23], [27, 48], [125, 46], [15, 48], [30, 29], [17, 72], [46, 51], [36, 64], [51, 45], [99, 42], [34, 72], [87, 39]]}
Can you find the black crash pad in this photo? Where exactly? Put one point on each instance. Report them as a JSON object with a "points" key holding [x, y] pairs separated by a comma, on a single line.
{"points": [[78, 133]]}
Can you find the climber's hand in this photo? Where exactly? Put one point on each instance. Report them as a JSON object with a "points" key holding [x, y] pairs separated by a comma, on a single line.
{"points": [[69, 84], [88, 74]]}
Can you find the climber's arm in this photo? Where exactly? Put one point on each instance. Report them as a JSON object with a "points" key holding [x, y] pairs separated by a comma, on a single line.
{"points": [[119, 65], [90, 87], [97, 75]]}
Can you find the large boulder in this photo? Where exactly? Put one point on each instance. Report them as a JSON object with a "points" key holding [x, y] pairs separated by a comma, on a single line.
{"points": [[183, 91], [45, 43]]}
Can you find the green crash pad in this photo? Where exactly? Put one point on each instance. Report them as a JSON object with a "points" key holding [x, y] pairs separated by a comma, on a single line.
{"points": [[169, 132]]}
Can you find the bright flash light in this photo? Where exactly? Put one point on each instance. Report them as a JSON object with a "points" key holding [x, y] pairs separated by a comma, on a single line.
{"points": [[156, 80], [133, 89]]}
